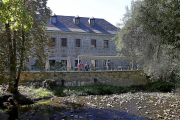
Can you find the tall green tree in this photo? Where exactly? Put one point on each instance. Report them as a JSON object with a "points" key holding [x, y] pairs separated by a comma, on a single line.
{"points": [[157, 58], [22, 35], [162, 17]]}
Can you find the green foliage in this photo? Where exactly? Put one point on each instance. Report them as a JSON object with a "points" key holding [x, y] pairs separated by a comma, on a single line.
{"points": [[158, 86], [22, 35], [175, 80], [90, 90], [43, 93], [31, 88], [14, 11], [2, 80], [142, 38], [60, 91], [162, 17]]}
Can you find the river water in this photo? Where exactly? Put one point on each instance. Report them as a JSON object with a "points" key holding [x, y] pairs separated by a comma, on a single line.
{"points": [[137, 106]]}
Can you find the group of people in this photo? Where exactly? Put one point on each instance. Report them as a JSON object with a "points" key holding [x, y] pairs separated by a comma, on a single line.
{"points": [[85, 67]]}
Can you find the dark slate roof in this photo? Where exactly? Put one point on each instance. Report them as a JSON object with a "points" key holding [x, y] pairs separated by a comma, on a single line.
{"points": [[66, 24]]}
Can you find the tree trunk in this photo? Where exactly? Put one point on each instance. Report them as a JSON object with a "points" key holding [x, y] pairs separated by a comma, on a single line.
{"points": [[12, 60], [21, 60], [15, 64]]}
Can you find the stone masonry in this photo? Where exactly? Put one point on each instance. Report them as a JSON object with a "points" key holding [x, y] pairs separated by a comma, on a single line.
{"points": [[122, 78]]}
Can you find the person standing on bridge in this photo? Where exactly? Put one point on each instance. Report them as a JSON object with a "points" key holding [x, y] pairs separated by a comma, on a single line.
{"points": [[86, 66], [109, 66], [80, 66]]}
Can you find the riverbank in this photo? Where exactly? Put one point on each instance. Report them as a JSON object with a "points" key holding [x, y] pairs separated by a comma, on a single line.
{"points": [[99, 102], [131, 106], [31, 94], [142, 105]]}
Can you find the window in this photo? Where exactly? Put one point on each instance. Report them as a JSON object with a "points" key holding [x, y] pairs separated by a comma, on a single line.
{"points": [[64, 42], [53, 40], [77, 21], [93, 43], [77, 42], [54, 19], [106, 44], [92, 21]]}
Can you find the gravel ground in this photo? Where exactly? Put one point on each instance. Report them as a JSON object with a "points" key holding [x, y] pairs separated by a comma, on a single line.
{"points": [[143, 105], [131, 106]]}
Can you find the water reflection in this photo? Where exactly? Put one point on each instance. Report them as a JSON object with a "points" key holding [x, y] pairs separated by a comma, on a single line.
{"points": [[48, 112], [12, 114]]}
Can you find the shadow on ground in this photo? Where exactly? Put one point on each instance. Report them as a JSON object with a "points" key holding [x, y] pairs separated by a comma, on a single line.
{"points": [[67, 112], [9, 100]]}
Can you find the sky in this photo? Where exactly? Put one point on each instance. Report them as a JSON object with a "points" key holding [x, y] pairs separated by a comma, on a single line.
{"points": [[110, 10]]}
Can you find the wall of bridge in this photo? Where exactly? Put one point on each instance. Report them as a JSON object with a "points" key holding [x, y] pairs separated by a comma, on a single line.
{"points": [[122, 78]]}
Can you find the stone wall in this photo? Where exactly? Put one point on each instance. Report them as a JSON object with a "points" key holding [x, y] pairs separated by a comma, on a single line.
{"points": [[122, 78]]}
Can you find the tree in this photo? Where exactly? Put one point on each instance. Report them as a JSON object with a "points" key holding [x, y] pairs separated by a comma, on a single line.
{"points": [[162, 17], [22, 36], [158, 59]]}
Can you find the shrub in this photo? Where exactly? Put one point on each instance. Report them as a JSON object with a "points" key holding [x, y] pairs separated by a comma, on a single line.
{"points": [[42, 92], [59, 91], [159, 86]]}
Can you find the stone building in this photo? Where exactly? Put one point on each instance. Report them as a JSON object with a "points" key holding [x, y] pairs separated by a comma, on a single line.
{"points": [[73, 36]]}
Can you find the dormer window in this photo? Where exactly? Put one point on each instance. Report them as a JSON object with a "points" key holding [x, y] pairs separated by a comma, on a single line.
{"points": [[77, 20], [92, 21], [54, 19]]}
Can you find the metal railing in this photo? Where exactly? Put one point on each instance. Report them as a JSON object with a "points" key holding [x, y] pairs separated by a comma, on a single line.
{"points": [[98, 68]]}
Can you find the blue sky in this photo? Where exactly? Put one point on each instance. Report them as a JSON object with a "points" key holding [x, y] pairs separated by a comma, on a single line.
{"points": [[111, 10]]}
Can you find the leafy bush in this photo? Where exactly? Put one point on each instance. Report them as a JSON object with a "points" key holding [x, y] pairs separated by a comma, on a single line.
{"points": [[59, 91], [43, 92], [175, 80], [89, 90], [160, 86]]}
